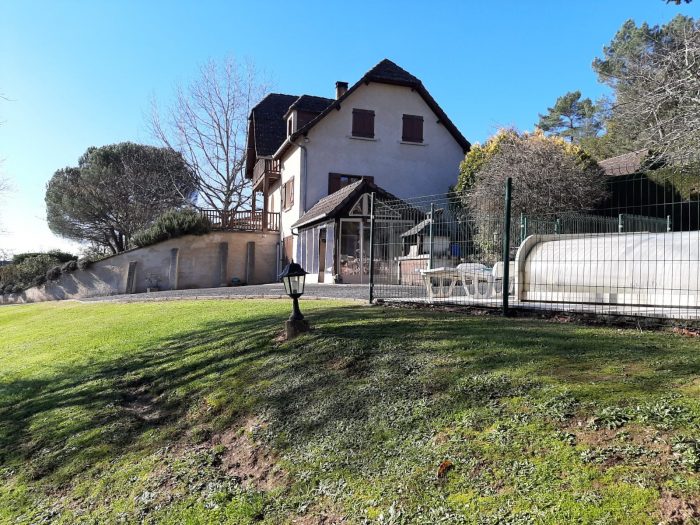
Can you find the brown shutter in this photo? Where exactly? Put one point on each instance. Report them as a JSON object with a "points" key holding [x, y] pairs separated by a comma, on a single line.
{"points": [[287, 250], [412, 128], [363, 123]]}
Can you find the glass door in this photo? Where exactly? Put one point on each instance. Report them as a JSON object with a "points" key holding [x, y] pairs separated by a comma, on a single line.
{"points": [[351, 256]]}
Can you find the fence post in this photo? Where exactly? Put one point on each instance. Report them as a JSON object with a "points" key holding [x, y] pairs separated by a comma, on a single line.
{"points": [[430, 249], [522, 227], [506, 247], [620, 223], [668, 223], [371, 248], [557, 227]]}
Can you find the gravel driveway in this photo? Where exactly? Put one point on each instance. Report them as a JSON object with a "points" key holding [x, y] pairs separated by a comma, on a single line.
{"points": [[276, 290]]}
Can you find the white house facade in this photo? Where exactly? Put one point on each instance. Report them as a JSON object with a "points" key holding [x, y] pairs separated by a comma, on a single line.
{"points": [[306, 152]]}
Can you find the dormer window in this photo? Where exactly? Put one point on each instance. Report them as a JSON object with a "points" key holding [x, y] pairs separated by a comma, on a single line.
{"points": [[412, 128], [363, 123], [290, 126]]}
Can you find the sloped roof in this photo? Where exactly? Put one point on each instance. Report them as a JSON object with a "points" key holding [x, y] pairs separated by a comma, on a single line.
{"points": [[269, 127], [626, 164], [330, 206], [386, 72], [310, 103]]}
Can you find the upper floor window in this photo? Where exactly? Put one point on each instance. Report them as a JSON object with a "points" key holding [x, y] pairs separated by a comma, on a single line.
{"points": [[337, 181], [412, 128], [363, 123], [290, 127], [288, 194]]}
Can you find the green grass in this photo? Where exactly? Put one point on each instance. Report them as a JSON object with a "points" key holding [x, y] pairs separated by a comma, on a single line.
{"points": [[193, 412]]}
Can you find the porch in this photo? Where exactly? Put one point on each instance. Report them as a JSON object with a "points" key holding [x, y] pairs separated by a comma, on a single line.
{"points": [[243, 220]]}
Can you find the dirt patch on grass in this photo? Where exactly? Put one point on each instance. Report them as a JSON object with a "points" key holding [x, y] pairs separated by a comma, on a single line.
{"points": [[252, 462], [675, 510], [320, 518], [139, 402]]}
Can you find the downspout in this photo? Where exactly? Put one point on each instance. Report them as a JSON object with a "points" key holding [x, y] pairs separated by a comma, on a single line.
{"points": [[302, 182]]}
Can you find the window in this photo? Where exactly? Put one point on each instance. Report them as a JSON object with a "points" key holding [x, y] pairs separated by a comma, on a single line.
{"points": [[288, 194], [412, 128], [363, 123], [289, 126], [337, 181]]}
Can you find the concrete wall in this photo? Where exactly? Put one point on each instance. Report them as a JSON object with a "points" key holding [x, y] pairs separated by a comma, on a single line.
{"points": [[187, 262]]}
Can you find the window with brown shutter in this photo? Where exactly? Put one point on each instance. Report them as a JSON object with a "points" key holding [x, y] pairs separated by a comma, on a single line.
{"points": [[412, 128], [337, 181], [363, 123], [288, 194]]}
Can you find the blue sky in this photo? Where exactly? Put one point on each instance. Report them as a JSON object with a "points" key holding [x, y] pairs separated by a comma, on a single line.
{"points": [[82, 73]]}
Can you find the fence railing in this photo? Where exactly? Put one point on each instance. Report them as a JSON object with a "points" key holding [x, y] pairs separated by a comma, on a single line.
{"points": [[242, 220], [636, 254]]}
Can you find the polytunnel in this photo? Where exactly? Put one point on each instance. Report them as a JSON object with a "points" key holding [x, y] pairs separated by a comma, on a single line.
{"points": [[637, 269]]}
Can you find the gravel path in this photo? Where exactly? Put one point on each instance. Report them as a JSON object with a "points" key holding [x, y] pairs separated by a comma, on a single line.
{"points": [[273, 291]]}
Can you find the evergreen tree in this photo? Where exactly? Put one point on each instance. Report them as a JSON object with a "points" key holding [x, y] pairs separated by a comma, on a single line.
{"points": [[571, 118]]}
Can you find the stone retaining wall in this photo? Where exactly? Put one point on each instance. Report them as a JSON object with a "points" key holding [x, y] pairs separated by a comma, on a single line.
{"points": [[187, 262]]}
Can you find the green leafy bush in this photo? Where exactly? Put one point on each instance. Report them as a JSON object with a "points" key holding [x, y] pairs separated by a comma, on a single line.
{"points": [[84, 263], [69, 267], [172, 224], [53, 274], [30, 271], [60, 256]]}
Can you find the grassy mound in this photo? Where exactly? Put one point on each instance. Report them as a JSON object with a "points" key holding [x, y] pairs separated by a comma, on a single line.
{"points": [[194, 412]]}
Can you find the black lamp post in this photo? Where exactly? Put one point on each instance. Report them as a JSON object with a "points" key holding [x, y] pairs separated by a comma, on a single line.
{"points": [[294, 277]]}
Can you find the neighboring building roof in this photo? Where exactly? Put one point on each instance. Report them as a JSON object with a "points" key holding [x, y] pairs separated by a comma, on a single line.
{"points": [[269, 127], [309, 103], [385, 72], [626, 164], [332, 205]]}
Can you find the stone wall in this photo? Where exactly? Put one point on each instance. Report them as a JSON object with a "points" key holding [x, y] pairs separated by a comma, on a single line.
{"points": [[192, 261]]}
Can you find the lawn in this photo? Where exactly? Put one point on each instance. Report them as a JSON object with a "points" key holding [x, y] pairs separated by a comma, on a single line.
{"points": [[195, 412]]}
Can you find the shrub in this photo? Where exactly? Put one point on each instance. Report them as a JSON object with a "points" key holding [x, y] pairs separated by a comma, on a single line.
{"points": [[30, 271], [53, 274], [69, 267], [84, 263], [8, 288], [172, 224], [38, 280], [60, 256]]}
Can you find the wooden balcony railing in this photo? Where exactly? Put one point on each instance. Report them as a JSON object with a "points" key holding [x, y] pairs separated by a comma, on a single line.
{"points": [[264, 167], [246, 221]]}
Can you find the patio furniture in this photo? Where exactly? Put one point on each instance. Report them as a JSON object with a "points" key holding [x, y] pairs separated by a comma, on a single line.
{"points": [[478, 281]]}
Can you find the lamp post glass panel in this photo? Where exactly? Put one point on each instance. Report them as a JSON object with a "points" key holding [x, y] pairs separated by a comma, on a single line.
{"points": [[294, 278]]}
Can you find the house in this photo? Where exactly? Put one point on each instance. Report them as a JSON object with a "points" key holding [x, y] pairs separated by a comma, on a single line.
{"points": [[315, 160]]}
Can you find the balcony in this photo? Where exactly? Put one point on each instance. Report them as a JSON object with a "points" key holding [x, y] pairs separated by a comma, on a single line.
{"points": [[265, 169], [243, 221]]}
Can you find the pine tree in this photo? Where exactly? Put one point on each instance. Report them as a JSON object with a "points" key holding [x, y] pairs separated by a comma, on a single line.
{"points": [[571, 118]]}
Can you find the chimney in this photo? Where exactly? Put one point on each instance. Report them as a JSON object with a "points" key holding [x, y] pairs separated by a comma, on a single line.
{"points": [[340, 89]]}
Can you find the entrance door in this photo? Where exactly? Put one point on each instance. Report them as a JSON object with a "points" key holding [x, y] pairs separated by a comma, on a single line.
{"points": [[321, 255]]}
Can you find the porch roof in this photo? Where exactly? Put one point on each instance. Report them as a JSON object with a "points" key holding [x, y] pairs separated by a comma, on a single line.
{"points": [[333, 205]]}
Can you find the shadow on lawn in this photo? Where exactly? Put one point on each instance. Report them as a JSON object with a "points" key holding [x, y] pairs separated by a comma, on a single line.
{"points": [[358, 365]]}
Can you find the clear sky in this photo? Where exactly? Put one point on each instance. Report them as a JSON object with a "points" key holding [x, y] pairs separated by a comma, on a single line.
{"points": [[81, 73]]}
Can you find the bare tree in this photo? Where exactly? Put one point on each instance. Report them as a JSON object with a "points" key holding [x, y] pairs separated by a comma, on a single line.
{"points": [[659, 97], [550, 178], [207, 124]]}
